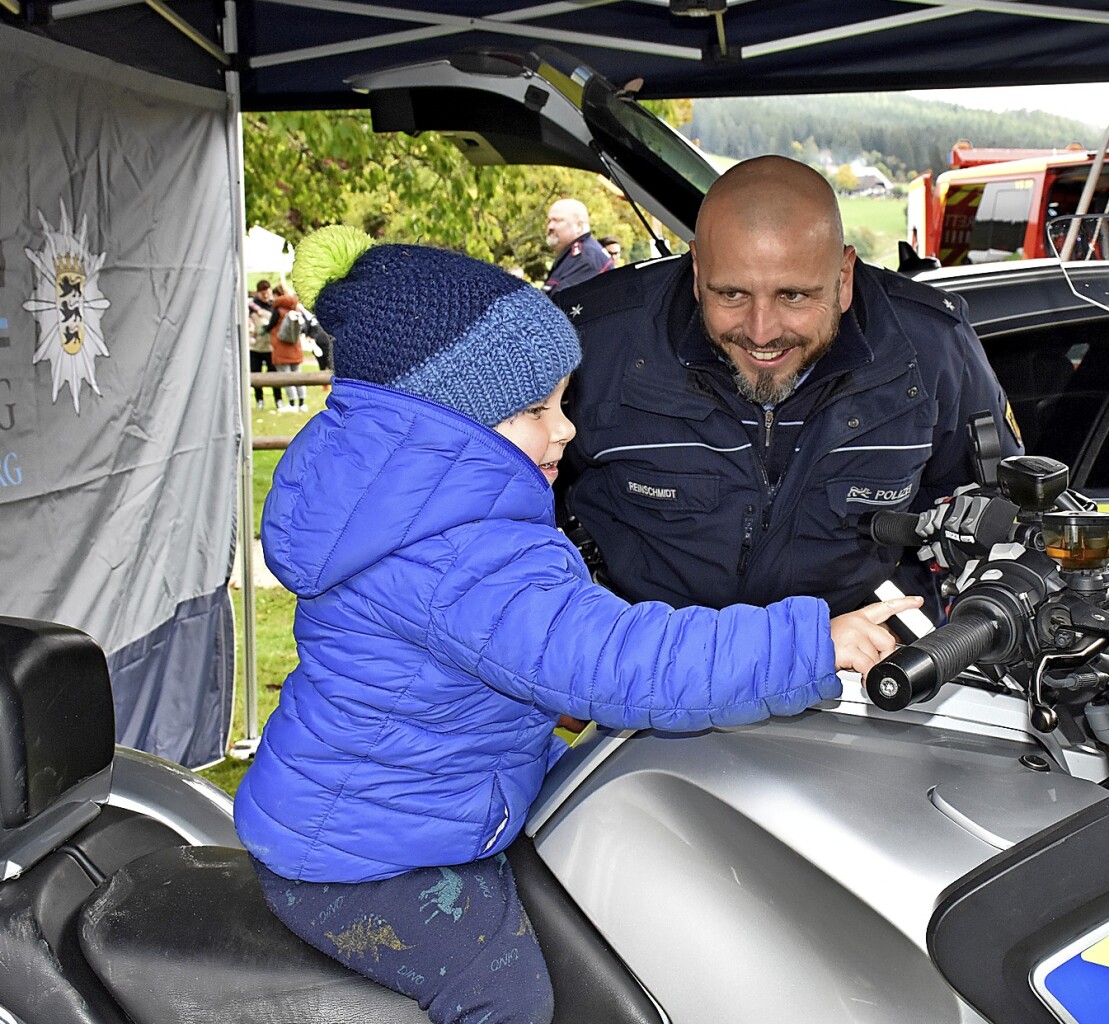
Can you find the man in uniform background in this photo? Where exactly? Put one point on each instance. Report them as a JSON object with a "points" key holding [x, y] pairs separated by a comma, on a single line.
{"points": [[578, 255]]}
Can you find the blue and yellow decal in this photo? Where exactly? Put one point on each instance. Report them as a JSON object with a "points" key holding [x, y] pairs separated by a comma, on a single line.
{"points": [[1074, 983]]}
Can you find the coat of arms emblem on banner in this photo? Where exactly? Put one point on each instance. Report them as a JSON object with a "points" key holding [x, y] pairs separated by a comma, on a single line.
{"points": [[67, 303]]}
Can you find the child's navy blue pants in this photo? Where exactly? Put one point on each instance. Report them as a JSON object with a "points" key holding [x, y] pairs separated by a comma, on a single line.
{"points": [[457, 939]]}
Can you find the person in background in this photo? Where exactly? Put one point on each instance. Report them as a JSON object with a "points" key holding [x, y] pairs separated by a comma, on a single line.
{"points": [[320, 342], [611, 245], [741, 407], [578, 255], [444, 623], [260, 311], [287, 356]]}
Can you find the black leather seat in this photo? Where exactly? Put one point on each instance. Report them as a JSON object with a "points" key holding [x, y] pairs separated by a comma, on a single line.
{"points": [[183, 936]]}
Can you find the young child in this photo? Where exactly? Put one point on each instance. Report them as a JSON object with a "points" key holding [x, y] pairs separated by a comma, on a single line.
{"points": [[443, 624]]}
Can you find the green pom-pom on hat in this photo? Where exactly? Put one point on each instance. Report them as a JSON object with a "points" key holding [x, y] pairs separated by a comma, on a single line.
{"points": [[324, 256]]}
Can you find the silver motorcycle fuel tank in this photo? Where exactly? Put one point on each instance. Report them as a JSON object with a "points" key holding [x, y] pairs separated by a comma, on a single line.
{"points": [[788, 870]]}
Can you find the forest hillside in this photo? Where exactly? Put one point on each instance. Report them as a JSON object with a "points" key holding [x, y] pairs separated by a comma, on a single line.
{"points": [[900, 134]]}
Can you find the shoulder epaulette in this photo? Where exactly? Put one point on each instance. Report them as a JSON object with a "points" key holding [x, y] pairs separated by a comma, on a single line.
{"points": [[900, 287], [624, 288]]}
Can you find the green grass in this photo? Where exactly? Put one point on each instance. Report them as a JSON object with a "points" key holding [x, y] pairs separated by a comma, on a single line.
{"points": [[227, 774], [271, 423], [883, 219], [265, 462], [276, 658], [273, 606]]}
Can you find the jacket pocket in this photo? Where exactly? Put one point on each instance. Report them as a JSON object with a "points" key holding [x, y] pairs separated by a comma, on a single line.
{"points": [[495, 823], [668, 495], [663, 398]]}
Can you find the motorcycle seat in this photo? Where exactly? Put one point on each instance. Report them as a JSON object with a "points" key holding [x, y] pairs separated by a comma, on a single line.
{"points": [[183, 936]]}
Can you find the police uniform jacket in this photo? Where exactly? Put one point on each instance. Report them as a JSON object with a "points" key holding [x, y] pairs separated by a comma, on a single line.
{"points": [[442, 625], [696, 495], [582, 259]]}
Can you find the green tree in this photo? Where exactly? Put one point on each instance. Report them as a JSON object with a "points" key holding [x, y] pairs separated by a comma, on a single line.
{"points": [[307, 169], [845, 180], [302, 166]]}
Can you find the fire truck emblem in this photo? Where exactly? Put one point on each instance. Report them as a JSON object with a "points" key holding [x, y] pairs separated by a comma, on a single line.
{"points": [[67, 303]]}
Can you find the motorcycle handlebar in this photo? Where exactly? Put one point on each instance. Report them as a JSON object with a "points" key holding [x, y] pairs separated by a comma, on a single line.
{"points": [[913, 674], [892, 529]]}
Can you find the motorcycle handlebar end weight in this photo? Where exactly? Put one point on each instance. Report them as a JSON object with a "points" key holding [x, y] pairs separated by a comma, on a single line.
{"points": [[915, 673]]}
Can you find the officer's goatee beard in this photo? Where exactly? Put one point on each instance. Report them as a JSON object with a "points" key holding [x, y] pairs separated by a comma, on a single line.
{"points": [[768, 387]]}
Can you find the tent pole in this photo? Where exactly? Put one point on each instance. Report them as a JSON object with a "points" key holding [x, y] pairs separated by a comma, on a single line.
{"points": [[245, 747]]}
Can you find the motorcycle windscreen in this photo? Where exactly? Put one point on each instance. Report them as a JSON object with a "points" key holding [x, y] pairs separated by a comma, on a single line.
{"points": [[1074, 982]]}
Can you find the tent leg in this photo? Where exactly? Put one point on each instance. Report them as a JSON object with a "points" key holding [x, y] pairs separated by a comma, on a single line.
{"points": [[244, 748]]}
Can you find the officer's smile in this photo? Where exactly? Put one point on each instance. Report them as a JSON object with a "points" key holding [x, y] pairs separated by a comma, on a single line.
{"points": [[788, 352]]}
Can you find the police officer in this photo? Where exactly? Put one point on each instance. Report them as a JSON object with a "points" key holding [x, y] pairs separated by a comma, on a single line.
{"points": [[739, 408], [578, 255]]}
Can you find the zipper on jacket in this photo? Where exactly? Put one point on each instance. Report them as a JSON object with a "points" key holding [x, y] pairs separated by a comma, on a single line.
{"points": [[748, 538], [767, 425]]}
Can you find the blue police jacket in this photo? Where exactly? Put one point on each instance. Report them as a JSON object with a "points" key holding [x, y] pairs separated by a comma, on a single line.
{"points": [[442, 625], [582, 259], [695, 495]]}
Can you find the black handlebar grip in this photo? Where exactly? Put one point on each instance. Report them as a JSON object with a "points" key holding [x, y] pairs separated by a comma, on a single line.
{"points": [[914, 673], [893, 529]]}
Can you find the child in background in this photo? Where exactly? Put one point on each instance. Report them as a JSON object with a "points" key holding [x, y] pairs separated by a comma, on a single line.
{"points": [[443, 624]]}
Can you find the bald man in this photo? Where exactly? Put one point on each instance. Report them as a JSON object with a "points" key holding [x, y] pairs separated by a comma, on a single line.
{"points": [[740, 407], [578, 255]]}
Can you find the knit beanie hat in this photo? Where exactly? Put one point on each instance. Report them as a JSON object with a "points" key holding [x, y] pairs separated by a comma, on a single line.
{"points": [[434, 323]]}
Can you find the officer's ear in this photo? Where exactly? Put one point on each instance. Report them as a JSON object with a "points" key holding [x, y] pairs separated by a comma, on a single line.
{"points": [[847, 278], [693, 253]]}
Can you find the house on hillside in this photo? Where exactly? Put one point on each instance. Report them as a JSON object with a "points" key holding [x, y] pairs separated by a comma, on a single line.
{"points": [[857, 178], [872, 182]]}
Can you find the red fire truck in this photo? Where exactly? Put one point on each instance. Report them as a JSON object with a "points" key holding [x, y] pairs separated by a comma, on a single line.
{"points": [[995, 204]]}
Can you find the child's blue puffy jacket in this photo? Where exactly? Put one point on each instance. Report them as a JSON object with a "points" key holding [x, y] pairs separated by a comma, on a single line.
{"points": [[443, 623]]}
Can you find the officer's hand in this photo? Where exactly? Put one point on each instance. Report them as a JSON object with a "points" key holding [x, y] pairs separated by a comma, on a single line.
{"points": [[859, 637]]}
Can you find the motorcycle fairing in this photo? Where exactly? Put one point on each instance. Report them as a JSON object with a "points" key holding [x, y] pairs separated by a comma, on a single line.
{"points": [[795, 864], [997, 933]]}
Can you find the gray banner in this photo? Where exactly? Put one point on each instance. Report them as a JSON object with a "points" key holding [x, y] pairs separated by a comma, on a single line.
{"points": [[119, 421]]}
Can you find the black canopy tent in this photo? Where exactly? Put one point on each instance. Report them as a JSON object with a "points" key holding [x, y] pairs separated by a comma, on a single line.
{"points": [[298, 54]]}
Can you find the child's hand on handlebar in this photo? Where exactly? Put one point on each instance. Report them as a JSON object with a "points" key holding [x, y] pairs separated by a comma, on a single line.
{"points": [[860, 639]]}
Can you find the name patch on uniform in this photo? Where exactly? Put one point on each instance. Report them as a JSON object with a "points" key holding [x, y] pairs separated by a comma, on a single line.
{"points": [[658, 493], [878, 495]]}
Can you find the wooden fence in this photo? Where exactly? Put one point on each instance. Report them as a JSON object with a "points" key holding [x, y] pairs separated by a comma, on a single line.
{"points": [[283, 380]]}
